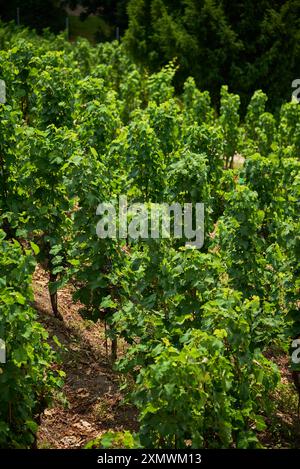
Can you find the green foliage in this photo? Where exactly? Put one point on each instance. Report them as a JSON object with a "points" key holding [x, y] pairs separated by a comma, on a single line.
{"points": [[28, 378], [198, 393], [115, 440], [248, 45], [83, 125], [229, 120]]}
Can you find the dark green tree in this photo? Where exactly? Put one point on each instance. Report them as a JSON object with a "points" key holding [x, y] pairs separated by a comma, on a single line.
{"points": [[248, 45], [37, 14]]}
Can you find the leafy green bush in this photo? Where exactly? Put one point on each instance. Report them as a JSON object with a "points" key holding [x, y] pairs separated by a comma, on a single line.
{"points": [[28, 378], [198, 395], [115, 440]]}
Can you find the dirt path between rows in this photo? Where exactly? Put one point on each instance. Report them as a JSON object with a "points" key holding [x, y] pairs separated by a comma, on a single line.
{"points": [[92, 403]]}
